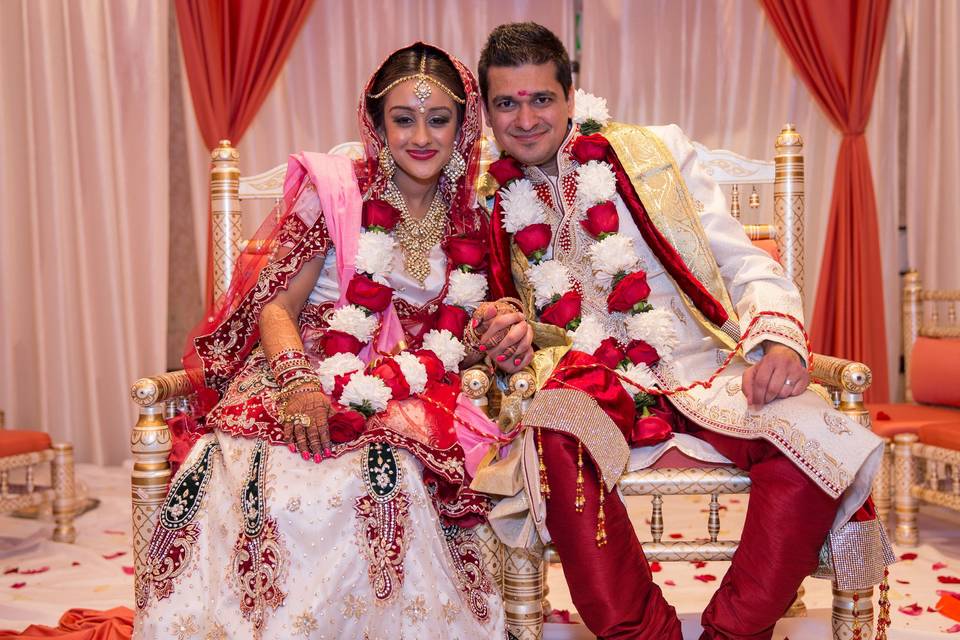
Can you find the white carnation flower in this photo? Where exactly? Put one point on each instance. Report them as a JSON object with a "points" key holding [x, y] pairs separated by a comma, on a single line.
{"points": [[355, 321], [366, 391], [640, 375], [413, 371], [466, 290], [613, 255], [590, 107], [588, 336], [655, 327], [596, 183], [337, 365], [521, 206], [549, 279], [446, 346], [375, 251]]}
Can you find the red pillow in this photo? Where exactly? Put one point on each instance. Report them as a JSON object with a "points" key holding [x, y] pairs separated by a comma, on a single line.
{"points": [[935, 371]]}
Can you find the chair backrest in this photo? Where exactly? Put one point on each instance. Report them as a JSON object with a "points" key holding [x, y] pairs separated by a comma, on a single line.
{"points": [[927, 313]]}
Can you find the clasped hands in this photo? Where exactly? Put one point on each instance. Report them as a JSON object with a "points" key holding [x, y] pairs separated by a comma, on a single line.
{"points": [[505, 337]]}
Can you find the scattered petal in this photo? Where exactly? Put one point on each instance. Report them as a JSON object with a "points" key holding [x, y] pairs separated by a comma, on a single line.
{"points": [[954, 629], [908, 556], [911, 609], [676, 536], [114, 532], [18, 585], [558, 616], [111, 556], [948, 579], [670, 583], [30, 572], [903, 582], [698, 564], [734, 500], [705, 577], [931, 609], [128, 571], [944, 592], [939, 565], [9, 571], [74, 564], [883, 415], [655, 567]]}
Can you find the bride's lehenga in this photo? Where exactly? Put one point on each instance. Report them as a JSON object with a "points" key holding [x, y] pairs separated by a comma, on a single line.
{"points": [[377, 541]]}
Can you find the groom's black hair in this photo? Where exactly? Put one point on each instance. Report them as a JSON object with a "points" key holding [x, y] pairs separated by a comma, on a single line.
{"points": [[520, 43]]}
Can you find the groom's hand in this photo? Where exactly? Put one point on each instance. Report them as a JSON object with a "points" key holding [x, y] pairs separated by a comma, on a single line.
{"points": [[506, 337], [779, 374]]}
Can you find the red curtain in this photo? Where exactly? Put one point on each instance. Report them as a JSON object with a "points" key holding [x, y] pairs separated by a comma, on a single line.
{"points": [[233, 51], [835, 46]]}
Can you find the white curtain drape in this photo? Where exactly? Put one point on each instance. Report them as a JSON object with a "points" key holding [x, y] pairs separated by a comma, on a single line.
{"points": [[717, 69], [83, 215], [313, 104]]}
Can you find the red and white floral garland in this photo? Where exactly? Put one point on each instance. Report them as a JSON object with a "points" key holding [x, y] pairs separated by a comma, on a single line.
{"points": [[614, 261], [352, 327]]}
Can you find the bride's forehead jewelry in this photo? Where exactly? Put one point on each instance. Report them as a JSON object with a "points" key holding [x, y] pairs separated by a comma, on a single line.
{"points": [[422, 89]]}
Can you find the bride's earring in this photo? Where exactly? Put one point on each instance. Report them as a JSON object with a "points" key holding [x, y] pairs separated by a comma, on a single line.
{"points": [[387, 164], [455, 168]]}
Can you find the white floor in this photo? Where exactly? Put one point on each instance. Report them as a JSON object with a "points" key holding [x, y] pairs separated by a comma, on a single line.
{"points": [[39, 579]]}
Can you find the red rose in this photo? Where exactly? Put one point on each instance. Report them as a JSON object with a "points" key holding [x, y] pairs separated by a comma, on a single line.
{"points": [[339, 382], [467, 251], [453, 319], [391, 374], [648, 431], [434, 365], [563, 311], [609, 353], [592, 147], [365, 292], [640, 352], [628, 292], [377, 213], [601, 218], [333, 342], [505, 170], [346, 426], [532, 239]]}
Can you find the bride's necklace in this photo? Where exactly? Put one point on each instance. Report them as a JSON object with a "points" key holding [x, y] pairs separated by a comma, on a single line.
{"points": [[418, 237]]}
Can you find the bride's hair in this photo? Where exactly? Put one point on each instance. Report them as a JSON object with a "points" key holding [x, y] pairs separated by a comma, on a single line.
{"points": [[406, 62]]}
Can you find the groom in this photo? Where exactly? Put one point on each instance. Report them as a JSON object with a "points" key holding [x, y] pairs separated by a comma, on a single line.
{"points": [[619, 242]]}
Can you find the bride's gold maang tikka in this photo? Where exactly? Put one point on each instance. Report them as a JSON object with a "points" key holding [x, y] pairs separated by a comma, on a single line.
{"points": [[422, 89]]}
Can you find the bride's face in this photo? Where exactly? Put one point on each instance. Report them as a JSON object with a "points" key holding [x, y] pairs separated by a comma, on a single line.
{"points": [[421, 135]]}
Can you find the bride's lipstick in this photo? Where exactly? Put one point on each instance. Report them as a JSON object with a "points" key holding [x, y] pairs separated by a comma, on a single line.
{"points": [[421, 154]]}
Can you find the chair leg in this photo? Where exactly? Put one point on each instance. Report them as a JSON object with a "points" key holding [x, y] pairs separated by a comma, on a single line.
{"points": [[64, 493], [492, 550], [904, 503], [882, 484], [852, 609], [523, 592], [798, 609]]}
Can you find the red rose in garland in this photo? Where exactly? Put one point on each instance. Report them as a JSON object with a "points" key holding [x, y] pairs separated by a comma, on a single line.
{"points": [[640, 352], [346, 426], [467, 251], [505, 170], [391, 374], [453, 319], [609, 353], [649, 431], [364, 292], [564, 311], [434, 365], [602, 220], [533, 240], [333, 342], [377, 213], [629, 293], [592, 147]]}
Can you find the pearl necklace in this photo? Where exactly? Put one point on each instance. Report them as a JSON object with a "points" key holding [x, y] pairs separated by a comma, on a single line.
{"points": [[418, 237]]}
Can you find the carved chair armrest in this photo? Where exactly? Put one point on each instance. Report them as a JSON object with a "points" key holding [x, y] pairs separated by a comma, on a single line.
{"points": [[160, 388], [840, 374]]}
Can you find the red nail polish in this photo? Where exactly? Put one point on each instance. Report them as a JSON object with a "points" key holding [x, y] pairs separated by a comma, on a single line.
{"points": [[293, 448], [482, 348], [327, 453], [517, 361], [501, 358], [317, 457], [476, 322], [305, 455]]}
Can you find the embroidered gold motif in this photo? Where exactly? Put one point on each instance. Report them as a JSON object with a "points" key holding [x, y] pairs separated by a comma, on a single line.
{"points": [[216, 632], [732, 387], [335, 501], [450, 611], [293, 504], [354, 607], [305, 624], [836, 423], [184, 627], [417, 610]]}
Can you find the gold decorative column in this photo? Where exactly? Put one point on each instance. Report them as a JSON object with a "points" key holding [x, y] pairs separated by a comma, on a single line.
{"points": [[788, 202], [904, 502], [844, 608], [64, 493], [912, 318], [523, 592], [224, 214]]}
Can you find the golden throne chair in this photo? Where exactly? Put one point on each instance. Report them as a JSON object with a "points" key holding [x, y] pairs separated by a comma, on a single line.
{"points": [[524, 570], [926, 428], [20, 452]]}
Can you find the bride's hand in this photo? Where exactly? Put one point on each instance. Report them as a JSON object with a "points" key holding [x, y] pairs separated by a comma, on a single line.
{"points": [[507, 338], [305, 422]]}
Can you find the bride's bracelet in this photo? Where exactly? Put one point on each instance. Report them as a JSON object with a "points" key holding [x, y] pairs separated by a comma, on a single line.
{"points": [[290, 365], [504, 305]]}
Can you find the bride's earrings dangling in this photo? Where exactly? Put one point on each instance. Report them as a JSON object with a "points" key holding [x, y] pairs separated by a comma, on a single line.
{"points": [[387, 164]]}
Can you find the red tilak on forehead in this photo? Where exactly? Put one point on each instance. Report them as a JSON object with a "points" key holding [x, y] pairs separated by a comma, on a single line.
{"points": [[523, 92]]}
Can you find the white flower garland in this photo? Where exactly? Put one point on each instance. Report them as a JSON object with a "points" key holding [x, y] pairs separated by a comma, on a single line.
{"points": [[447, 347], [337, 365], [353, 320], [366, 392], [375, 253], [589, 107], [467, 290], [413, 371]]}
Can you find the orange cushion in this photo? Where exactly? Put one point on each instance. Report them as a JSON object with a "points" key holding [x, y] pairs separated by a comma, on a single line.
{"points": [[770, 246], [941, 435], [13, 443], [935, 371], [891, 419]]}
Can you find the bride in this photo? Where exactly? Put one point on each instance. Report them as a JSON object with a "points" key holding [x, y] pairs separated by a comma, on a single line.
{"points": [[326, 495]]}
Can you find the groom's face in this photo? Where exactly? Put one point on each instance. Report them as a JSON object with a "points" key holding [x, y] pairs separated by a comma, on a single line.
{"points": [[528, 111]]}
